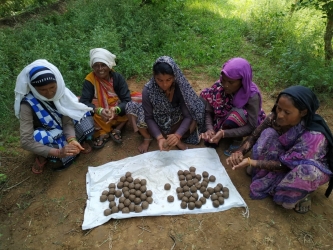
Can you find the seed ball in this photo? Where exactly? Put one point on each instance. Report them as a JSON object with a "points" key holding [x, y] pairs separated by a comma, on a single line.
{"points": [[193, 174], [193, 189], [186, 189], [132, 197], [149, 200], [183, 205], [210, 190], [216, 203], [181, 177], [202, 189], [103, 198], [149, 193], [212, 178], [214, 197], [126, 183], [185, 199], [186, 172], [167, 186], [105, 192], [191, 199], [179, 190], [137, 181], [129, 179], [125, 189], [198, 204], [120, 185], [127, 202], [182, 183], [138, 193], [143, 182], [205, 174], [143, 197], [145, 205], [112, 204], [131, 186], [206, 194], [112, 191], [206, 179], [180, 196], [192, 169], [138, 209], [190, 183], [187, 194], [219, 194], [221, 200], [188, 177], [203, 200], [114, 210], [143, 188], [131, 207], [125, 210], [225, 189], [204, 183], [132, 191], [191, 205], [122, 199], [171, 198], [126, 194], [122, 179], [226, 194], [195, 196], [198, 185], [180, 172], [137, 186], [137, 201], [121, 206], [112, 185], [220, 185], [107, 212], [217, 189], [198, 176], [111, 197], [195, 181], [128, 174]]}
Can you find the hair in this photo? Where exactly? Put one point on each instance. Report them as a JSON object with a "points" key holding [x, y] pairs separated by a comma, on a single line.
{"points": [[297, 103], [162, 68]]}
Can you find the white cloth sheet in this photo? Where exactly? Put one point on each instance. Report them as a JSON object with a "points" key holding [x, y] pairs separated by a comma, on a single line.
{"points": [[157, 168]]}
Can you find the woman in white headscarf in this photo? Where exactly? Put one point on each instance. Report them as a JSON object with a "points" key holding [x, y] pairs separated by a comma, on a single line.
{"points": [[107, 93], [52, 121]]}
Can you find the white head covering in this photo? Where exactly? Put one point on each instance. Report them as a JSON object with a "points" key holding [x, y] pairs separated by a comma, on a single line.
{"points": [[64, 100], [103, 56]]}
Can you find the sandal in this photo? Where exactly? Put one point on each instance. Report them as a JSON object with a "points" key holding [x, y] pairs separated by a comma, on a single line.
{"points": [[114, 134], [87, 148], [303, 206], [103, 138], [40, 165]]}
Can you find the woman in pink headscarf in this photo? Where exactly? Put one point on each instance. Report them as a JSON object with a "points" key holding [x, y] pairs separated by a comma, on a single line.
{"points": [[233, 105]]}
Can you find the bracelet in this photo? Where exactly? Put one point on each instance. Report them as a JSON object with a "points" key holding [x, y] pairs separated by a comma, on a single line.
{"points": [[117, 110], [99, 111], [249, 160], [70, 139]]}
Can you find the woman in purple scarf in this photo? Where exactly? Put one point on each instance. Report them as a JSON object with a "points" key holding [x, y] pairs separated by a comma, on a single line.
{"points": [[292, 152], [233, 105]]}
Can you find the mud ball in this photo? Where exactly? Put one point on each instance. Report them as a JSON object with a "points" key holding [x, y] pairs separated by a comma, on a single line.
{"points": [[203, 200], [171, 198], [112, 204], [121, 206], [217, 189], [198, 176], [214, 197], [122, 199], [132, 197], [202, 189], [128, 174], [195, 181], [220, 185], [143, 197], [188, 177], [181, 177], [212, 178], [183, 205], [105, 192], [125, 210], [192, 169], [138, 193], [179, 190], [112, 185], [143, 182], [131, 207], [186, 189], [107, 212], [219, 194], [186, 172], [185, 199], [191, 199], [198, 185], [126, 194], [180, 172], [187, 194], [226, 195], [122, 179], [131, 186], [103, 198], [205, 174], [204, 183], [114, 210], [143, 188], [198, 204], [206, 194], [195, 196], [206, 179], [149, 200], [132, 191], [125, 189], [193, 174], [167, 186], [112, 191], [127, 202], [145, 205], [193, 189], [136, 181], [190, 183], [137, 201], [149, 193], [191, 205], [216, 203], [126, 183], [137, 186], [111, 197], [180, 196], [210, 190], [129, 179], [225, 189], [120, 185], [221, 200], [183, 183], [138, 209]]}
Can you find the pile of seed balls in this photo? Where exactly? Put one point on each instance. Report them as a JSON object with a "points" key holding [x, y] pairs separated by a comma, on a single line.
{"points": [[191, 183], [132, 193]]}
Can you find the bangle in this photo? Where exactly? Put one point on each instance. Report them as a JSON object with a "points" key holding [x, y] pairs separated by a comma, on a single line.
{"points": [[99, 111], [117, 110], [70, 139], [249, 160]]}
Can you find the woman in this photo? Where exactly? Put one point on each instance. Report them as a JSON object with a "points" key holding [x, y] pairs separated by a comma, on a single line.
{"points": [[292, 151], [46, 110], [233, 105], [107, 93], [170, 110]]}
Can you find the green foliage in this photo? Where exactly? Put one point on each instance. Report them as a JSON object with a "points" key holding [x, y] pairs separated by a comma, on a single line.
{"points": [[3, 178], [325, 6]]}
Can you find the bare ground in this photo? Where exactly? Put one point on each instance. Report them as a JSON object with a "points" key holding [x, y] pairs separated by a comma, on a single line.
{"points": [[46, 211]]}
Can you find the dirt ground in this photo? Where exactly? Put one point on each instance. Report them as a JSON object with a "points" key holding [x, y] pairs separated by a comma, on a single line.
{"points": [[46, 211]]}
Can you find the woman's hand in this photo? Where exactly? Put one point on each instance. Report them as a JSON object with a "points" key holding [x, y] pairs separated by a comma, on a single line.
{"points": [[68, 150], [163, 145], [172, 140], [106, 115], [77, 144], [208, 135], [236, 160], [217, 137]]}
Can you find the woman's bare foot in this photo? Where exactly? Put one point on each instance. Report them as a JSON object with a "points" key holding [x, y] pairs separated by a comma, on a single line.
{"points": [[303, 206], [143, 148], [39, 164], [181, 145]]}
